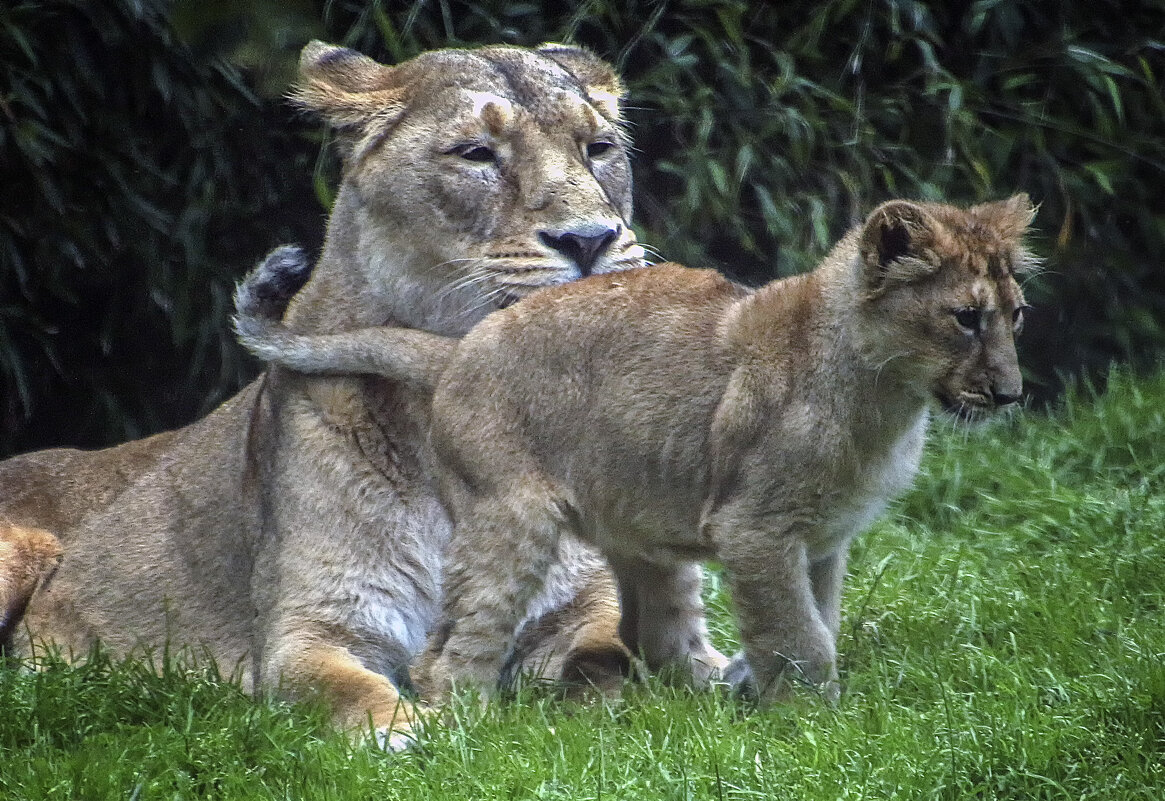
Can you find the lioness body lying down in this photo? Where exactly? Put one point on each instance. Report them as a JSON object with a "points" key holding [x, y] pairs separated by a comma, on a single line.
{"points": [[292, 534], [669, 416]]}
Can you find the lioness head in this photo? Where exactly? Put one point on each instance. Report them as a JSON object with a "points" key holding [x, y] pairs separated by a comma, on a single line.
{"points": [[471, 178], [942, 299]]}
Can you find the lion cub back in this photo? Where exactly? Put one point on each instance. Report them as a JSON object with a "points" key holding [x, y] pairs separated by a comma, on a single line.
{"points": [[598, 357]]}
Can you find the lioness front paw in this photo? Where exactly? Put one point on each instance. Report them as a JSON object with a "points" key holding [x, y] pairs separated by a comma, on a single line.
{"points": [[396, 739], [405, 729]]}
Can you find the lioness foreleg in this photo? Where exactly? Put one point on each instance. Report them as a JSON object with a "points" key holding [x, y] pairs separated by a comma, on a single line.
{"points": [[357, 697]]}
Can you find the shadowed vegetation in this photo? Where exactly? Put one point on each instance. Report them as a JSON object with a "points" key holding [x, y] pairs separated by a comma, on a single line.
{"points": [[153, 161]]}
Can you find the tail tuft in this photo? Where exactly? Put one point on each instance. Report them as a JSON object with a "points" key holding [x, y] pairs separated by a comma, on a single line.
{"points": [[266, 290]]}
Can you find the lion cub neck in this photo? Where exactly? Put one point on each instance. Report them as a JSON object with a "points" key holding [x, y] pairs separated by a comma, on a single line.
{"points": [[802, 338]]}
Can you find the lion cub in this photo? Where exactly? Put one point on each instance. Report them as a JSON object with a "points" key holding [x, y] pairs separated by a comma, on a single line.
{"points": [[668, 416]]}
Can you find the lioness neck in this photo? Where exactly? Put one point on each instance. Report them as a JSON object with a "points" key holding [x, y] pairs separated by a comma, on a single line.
{"points": [[369, 275], [336, 298]]}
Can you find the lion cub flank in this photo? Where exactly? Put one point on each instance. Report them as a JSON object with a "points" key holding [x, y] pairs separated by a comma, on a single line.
{"points": [[668, 416]]}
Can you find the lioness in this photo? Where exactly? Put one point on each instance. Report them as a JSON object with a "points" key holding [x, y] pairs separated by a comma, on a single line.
{"points": [[292, 534], [668, 415], [28, 558]]}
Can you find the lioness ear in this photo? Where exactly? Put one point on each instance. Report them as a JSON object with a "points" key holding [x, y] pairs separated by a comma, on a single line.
{"points": [[598, 79], [896, 244], [1009, 218], [351, 91]]}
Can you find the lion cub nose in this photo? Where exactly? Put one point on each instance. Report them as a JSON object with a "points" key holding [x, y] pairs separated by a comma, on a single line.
{"points": [[583, 246], [1004, 398]]}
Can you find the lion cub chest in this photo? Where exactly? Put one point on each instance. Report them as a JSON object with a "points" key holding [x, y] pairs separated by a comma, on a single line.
{"points": [[861, 497]]}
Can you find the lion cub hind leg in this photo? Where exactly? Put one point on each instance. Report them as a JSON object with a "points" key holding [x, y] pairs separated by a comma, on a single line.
{"points": [[503, 547], [28, 558], [664, 620]]}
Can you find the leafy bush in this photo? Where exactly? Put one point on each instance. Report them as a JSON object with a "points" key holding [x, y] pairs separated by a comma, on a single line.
{"points": [[139, 182], [766, 129], [147, 174]]}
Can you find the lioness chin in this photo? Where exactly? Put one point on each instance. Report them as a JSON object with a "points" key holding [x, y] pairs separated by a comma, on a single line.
{"points": [[292, 534], [668, 416]]}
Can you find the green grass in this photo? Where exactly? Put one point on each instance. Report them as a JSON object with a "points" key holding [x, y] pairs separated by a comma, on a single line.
{"points": [[1003, 638]]}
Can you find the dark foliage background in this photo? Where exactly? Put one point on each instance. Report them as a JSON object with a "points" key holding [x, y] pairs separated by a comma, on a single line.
{"points": [[149, 160], [138, 181]]}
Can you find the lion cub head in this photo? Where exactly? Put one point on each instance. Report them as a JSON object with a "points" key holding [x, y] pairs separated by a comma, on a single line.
{"points": [[471, 178], [942, 299]]}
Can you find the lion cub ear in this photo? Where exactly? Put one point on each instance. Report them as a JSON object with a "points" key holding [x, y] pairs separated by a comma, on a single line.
{"points": [[597, 78], [897, 245], [1009, 218], [357, 95]]}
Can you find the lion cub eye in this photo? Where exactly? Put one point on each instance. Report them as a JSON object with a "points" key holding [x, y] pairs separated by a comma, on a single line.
{"points": [[968, 318], [475, 152]]}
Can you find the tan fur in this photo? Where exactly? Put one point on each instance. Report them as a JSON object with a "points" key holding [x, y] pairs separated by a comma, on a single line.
{"points": [[28, 559], [292, 533], [668, 416]]}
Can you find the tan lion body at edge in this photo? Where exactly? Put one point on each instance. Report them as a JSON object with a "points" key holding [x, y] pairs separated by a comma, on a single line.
{"points": [[668, 416], [292, 534]]}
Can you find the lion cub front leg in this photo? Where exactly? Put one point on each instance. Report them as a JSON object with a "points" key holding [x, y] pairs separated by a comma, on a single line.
{"points": [[502, 548], [787, 640], [827, 575], [663, 619]]}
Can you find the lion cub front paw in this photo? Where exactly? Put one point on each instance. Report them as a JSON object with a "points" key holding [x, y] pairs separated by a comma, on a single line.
{"points": [[742, 681], [739, 677]]}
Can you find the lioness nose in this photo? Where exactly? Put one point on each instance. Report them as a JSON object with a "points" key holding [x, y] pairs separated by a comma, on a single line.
{"points": [[583, 246]]}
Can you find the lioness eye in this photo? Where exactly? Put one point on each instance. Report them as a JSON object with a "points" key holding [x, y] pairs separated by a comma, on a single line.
{"points": [[968, 318], [599, 149], [477, 153]]}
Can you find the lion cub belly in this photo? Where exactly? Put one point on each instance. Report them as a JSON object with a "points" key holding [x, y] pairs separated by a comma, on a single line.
{"points": [[652, 535]]}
